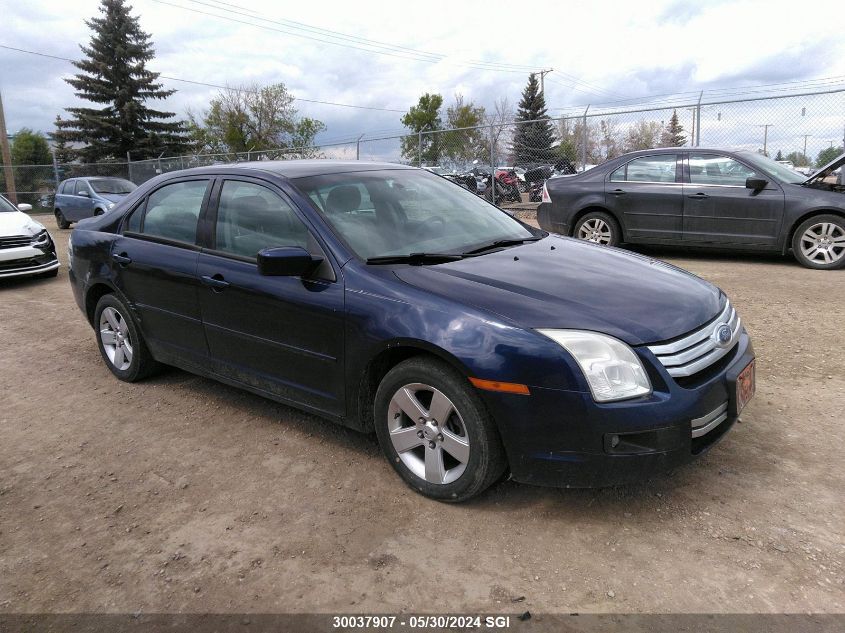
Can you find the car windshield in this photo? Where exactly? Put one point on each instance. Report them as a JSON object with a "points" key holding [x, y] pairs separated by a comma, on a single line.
{"points": [[772, 168], [112, 185], [403, 212], [6, 206]]}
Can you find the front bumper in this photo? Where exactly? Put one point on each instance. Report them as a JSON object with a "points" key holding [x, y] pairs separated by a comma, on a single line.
{"points": [[27, 260], [565, 439]]}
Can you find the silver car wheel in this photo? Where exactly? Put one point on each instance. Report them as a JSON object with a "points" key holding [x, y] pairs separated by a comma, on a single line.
{"points": [[595, 230], [823, 243], [428, 433], [114, 335]]}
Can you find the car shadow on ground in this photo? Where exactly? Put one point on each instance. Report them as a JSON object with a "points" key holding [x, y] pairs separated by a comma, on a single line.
{"points": [[696, 478]]}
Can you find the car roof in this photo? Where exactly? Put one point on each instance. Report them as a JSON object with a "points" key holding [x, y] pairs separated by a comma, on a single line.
{"points": [[299, 168]]}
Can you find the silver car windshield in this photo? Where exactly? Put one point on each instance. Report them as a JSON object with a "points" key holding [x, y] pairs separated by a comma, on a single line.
{"points": [[403, 211]]}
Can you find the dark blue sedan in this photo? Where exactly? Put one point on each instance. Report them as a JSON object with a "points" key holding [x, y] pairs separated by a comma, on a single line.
{"points": [[390, 300]]}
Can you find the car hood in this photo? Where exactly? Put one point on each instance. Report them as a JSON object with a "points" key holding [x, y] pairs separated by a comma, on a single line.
{"points": [[561, 282], [826, 170], [112, 197], [18, 223]]}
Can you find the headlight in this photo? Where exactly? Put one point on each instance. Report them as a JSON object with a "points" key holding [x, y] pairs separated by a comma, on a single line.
{"points": [[41, 240], [612, 369]]}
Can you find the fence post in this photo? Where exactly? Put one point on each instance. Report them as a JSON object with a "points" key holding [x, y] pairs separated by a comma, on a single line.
{"points": [[698, 120], [419, 150], [358, 148], [492, 165], [584, 137]]}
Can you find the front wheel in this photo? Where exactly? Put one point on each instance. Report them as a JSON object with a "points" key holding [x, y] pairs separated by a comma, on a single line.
{"points": [[436, 432], [598, 227], [120, 342], [61, 221], [819, 242]]}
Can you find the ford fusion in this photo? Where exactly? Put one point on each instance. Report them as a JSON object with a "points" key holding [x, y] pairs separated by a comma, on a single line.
{"points": [[26, 248], [390, 300]]}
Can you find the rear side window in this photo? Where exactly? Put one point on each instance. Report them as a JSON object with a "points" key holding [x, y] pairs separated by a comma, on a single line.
{"points": [[251, 218], [173, 211], [67, 186], [647, 169]]}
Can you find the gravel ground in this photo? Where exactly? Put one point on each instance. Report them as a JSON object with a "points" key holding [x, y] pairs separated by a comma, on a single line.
{"points": [[181, 494]]}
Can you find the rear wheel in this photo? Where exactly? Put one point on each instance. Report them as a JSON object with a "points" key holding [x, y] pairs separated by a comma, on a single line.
{"points": [[61, 221], [819, 242], [598, 227], [120, 341], [436, 432]]}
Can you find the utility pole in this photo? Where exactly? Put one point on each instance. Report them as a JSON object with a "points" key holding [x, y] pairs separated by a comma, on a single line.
{"points": [[766, 127], [806, 136], [7, 157], [543, 74]]}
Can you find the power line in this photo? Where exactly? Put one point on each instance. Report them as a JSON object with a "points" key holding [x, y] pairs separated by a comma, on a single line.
{"points": [[210, 85]]}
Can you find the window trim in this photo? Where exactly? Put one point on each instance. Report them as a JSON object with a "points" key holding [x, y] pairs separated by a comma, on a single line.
{"points": [[141, 207], [679, 160]]}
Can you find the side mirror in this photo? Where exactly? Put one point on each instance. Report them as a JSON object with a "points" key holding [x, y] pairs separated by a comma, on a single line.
{"points": [[286, 261], [24, 207], [756, 183], [84, 193]]}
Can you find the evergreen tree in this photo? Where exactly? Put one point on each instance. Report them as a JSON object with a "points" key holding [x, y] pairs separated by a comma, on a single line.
{"points": [[532, 142], [114, 74], [63, 151], [779, 155], [673, 135]]}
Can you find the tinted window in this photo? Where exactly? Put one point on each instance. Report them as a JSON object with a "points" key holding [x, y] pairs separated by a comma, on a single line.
{"points": [[81, 186], [709, 169], [251, 218], [647, 169], [173, 211]]}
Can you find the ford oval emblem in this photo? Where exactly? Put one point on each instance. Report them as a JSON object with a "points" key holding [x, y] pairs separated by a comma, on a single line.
{"points": [[723, 335]]}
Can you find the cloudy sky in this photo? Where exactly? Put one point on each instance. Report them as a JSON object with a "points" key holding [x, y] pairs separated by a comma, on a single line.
{"points": [[383, 55]]}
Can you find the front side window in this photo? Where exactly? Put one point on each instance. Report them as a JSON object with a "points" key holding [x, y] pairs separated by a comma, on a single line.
{"points": [[173, 211], [397, 212], [251, 218], [81, 188], [647, 169], [710, 169]]}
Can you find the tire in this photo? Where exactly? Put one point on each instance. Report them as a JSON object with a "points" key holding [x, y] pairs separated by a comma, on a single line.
{"points": [[61, 221], [128, 359], [819, 242], [598, 227], [457, 457], [98, 211]]}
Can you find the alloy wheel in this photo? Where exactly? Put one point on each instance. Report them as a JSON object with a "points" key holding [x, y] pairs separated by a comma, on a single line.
{"points": [[428, 433], [595, 230], [114, 335], [823, 243]]}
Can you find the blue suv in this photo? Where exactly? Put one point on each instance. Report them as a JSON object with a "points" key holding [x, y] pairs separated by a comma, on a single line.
{"points": [[79, 198], [391, 300]]}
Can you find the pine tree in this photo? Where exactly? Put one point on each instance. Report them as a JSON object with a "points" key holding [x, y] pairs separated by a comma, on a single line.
{"points": [[114, 74], [532, 142], [673, 135], [63, 152]]}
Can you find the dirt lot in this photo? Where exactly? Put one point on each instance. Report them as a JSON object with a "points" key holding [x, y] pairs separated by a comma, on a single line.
{"points": [[180, 494]]}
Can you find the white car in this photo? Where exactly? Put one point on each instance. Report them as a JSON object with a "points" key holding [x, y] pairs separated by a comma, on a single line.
{"points": [[26, 248]]}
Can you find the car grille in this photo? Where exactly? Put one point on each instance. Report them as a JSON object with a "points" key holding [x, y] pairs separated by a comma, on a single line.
{"points": [[705, 424], [15, 241], [699, 349]]}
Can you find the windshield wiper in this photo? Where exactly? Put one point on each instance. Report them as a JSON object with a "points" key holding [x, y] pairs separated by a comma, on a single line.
{"points": [[501, 244], [415, 259]]}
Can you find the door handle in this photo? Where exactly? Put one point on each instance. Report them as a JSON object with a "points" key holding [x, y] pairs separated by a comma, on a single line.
{"points": [[618, 192], [216, 283], [123, 259], [698, 196]]}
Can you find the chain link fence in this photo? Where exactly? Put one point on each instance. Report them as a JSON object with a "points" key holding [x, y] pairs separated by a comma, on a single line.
{"points": [[795, 128]]}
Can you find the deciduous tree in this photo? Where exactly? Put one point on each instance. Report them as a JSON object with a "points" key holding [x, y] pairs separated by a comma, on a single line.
{"points": [[423, 117]]}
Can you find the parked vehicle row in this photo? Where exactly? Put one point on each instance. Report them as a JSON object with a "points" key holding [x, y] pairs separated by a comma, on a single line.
{"points": [[706, 198], [384, 298]]}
